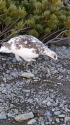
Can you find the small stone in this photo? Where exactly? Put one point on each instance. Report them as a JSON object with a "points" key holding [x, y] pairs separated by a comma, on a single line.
{"points": [[10, 115], [15, 111], [67, 110], [47, 113], [14, 74], [59, 83], [53, 109], [57, 120], [25, 116], [2, 116], [61, 105], [11, 105], [30, 100], [38, 113], [53, 123], [57, 113], [14, 60], [50, 119], [47, 123], [44, 102], [8, 71], [32, 121], [1, 101], [48, 103], [27, 75]]}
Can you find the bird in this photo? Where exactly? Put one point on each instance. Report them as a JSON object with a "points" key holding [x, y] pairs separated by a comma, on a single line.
{"points": [[26, 47]]}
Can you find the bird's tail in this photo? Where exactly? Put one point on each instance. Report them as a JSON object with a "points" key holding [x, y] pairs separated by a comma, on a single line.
{"points": [[3, 49]]}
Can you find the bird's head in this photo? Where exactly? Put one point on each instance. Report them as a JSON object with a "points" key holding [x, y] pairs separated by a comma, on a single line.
{"points": [[51, 54]]}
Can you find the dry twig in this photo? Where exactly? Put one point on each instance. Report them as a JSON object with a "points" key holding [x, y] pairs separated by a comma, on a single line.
{"points": [[55, 41], [58, 38], [51, 35], [7, 38]]}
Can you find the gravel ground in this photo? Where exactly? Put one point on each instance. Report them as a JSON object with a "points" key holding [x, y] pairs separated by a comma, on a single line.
{"points": [[47, 92]]}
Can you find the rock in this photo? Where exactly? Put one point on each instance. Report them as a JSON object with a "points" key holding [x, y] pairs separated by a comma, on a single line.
{"points": [[47, 123], [59, 83], [1, 101], [67, 119], [57, 113], [32, 121], [25, 116], [30, 100], [61, 105], [53, 123], [10, 115], [11, 105], [27, 75], [62, 116], [48, 103], [57, 120], [14, 60], [67, 110], [48, 114], [38, 113], [14, 74], [50, 119], [2, 116]]}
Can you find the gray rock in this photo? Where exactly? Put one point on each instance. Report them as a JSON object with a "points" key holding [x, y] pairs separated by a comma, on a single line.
{"points": [[27, 75], [30, 100], [32, 121], [57, 113], [10, 115], [48, 103], [48, 90], [57, 120], [47, 113], [47, 123], [2, 116], [62, 116], [25, 116], [67, 119]]}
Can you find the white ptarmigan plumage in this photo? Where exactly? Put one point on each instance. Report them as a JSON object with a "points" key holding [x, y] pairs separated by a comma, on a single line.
{"points": [[27, 47]]}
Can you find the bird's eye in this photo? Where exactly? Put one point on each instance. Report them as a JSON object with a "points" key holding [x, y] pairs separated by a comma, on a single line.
{"points": [[54, 55]]}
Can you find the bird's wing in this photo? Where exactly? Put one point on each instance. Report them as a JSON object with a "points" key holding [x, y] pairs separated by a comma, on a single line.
{"points": [[27, 41]]}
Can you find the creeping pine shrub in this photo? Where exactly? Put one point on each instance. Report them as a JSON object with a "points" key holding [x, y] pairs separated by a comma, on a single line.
{"points": [[44, 16]]}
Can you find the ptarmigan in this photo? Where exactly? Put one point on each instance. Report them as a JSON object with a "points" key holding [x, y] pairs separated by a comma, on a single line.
{"points": [[26, 47]]}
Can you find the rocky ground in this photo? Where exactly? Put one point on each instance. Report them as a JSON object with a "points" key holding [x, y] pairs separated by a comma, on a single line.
{"points": [[42, 87]]}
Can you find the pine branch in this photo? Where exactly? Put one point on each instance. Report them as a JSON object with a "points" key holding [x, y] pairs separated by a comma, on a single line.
{"points": [[7, 29], [2, 20], [2, 14]]}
